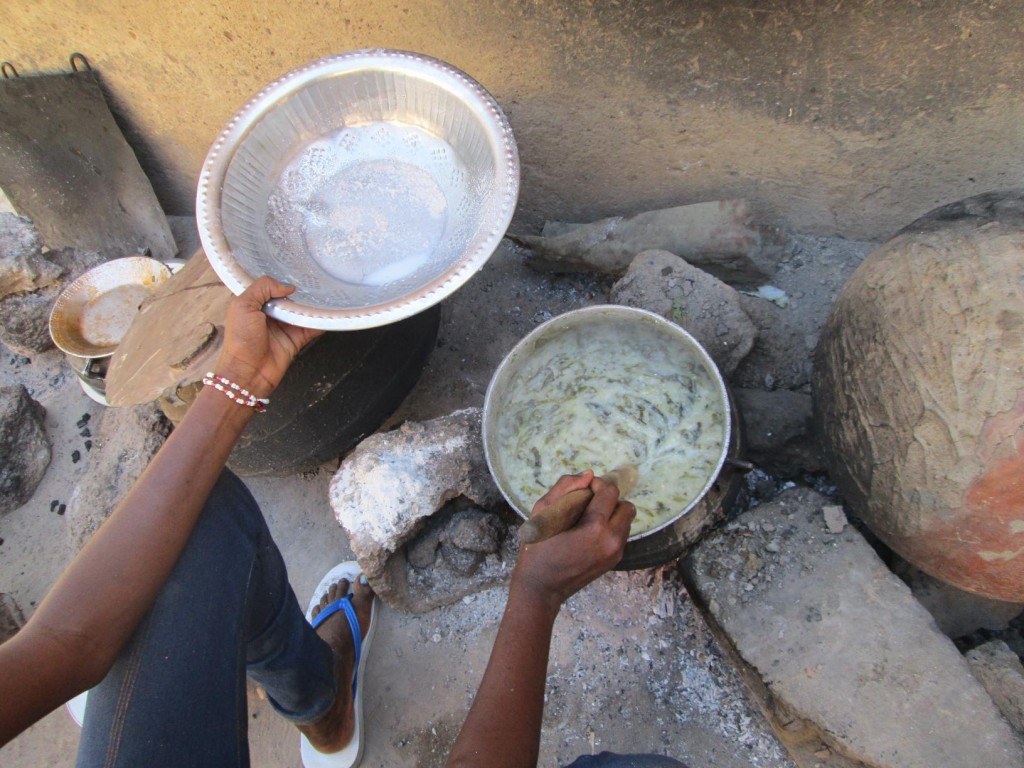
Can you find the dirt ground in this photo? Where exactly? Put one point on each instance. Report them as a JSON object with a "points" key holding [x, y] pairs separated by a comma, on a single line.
{"points": [[633, 667]]}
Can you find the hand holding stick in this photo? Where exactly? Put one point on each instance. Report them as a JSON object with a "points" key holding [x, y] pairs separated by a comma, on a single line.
{"points": [[563, 514]]}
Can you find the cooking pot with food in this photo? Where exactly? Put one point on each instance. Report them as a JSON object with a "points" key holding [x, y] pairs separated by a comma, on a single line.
{"points": [[607, 386]]}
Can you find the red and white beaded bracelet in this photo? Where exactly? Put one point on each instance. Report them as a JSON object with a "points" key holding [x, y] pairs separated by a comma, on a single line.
{"points": [[234, 392]]}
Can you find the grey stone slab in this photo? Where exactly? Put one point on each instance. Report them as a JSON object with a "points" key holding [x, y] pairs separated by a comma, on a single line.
{"points": [[65, 163], [1000, 671], [841, 642]]}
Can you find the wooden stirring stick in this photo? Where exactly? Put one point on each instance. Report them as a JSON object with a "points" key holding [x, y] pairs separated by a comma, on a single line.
{"points": [[563, 514]]}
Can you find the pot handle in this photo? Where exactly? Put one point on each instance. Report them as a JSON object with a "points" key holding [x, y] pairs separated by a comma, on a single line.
{"points": [[88, 371], [740, 464]]}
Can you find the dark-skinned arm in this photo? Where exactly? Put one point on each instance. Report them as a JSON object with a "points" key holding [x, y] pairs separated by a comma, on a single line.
{"points": [[76, 634], [502, 729]]}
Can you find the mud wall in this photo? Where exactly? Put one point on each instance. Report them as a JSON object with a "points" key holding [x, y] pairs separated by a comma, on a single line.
{"points": [[847, 117]]}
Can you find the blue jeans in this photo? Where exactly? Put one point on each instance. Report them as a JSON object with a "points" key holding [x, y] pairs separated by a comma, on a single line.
{"points": [[177, 694]]}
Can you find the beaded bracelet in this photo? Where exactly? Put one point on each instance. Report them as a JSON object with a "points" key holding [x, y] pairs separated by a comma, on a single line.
{"points": [[234, 392]]}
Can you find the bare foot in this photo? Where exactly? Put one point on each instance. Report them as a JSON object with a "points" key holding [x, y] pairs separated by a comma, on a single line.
{"points": [[335, 729]]}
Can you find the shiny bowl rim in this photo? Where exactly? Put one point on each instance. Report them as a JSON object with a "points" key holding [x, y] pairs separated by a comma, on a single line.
{"points": [[626, 314], [70, 299], [222, 151]]}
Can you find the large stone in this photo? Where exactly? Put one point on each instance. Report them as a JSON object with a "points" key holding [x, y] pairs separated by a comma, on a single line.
{"points": [[778, 428], [718, 236], [25, 321], [781, 357], [22, 265], [124, 443], [11, 617], [693, 299], [24, 447], [1000, 671], [841, 643], [957, 613], [417, 505]]}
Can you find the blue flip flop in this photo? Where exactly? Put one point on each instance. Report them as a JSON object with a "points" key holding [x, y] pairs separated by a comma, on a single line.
{"points": [[350, 756], [345, 604]]}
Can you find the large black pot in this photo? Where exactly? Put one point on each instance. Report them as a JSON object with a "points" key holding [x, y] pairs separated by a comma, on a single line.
{"points": [[341, 388]]}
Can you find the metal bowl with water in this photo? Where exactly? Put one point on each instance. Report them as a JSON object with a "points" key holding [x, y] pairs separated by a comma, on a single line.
{"points": [[377, 182]]}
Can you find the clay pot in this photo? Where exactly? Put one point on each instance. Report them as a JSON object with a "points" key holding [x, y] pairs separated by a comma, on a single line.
{"points": [[919, 394]]}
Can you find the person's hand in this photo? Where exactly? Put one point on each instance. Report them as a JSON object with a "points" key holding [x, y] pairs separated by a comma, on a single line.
{"points": [[258, 349], [554, 569]]}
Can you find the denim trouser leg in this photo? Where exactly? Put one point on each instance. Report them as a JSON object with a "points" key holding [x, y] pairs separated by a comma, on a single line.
{"points": [[611, 760], [176, 696]]}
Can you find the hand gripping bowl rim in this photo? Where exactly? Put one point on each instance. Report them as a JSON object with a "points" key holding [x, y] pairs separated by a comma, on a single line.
{"points": [[219, 157]]}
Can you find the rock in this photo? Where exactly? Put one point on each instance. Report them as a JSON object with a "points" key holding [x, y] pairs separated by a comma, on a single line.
{"points": [[11, 618], [957, 613], [470, 534], [703, 305], [475, 530], [841, 643], [25, 321], [74, 262], [461, 561], [1000, 671], [24, 446], [25, 317], [919, 396], [22, 265], [716, 236], [778, 428], [408, 495], [781, 356], [422, 551], [835, 518], [123, 445]]}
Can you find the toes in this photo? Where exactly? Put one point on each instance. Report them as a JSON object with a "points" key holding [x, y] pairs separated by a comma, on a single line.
{"points": [[336, 590], [362, 588]]}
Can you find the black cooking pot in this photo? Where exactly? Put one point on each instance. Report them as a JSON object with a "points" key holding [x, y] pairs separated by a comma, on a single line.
{"points": [[338, 391], [341, 388]]}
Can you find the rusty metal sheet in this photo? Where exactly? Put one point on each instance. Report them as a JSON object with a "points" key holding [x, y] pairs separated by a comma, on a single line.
{"points": [[65, 164]]}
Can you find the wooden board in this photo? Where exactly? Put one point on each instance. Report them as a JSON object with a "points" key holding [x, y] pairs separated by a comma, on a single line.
{"points": [[174, 339]]}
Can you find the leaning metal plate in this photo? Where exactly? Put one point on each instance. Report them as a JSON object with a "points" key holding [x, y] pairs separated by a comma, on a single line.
{"points": [[65, 164], [377, 182]]}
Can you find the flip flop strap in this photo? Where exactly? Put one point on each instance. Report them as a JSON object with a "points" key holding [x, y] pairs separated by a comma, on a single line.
{"points": [[345, 604]]}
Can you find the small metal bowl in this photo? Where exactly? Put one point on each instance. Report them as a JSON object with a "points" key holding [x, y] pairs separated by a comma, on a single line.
{"points": [[377, 182], [92, 315]]}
